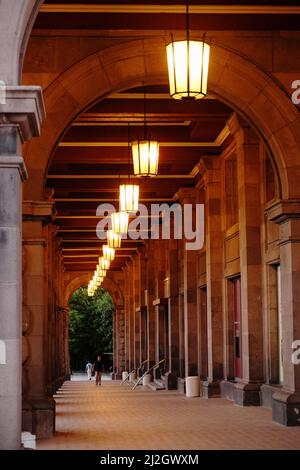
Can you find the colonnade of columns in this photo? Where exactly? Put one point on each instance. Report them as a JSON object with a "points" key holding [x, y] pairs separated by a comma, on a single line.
{"points": [[214, 312]]}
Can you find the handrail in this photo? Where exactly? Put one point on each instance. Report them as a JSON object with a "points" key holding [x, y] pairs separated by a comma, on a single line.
{"points": [[147, 372], [133, 370]]}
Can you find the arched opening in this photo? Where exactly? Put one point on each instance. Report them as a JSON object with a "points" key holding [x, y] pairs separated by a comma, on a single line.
{"points": [[90, 330]]}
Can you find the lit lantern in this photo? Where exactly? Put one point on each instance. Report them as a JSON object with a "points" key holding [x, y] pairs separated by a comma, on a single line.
{"points": [[108, 253], [188, 63], [145, 155], [113, 239], [129, 198], [119, 222], [104, 264], [101, 273]]}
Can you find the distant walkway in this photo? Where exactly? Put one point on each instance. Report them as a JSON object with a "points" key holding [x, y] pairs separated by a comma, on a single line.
{"points": [[113, 417], [80, 377]]}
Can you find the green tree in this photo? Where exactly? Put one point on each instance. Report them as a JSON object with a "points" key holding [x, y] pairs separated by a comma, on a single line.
{"points": [[90, 326]]}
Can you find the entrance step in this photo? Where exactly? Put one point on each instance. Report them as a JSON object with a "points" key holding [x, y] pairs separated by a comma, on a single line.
{"points": [[156, 385]]}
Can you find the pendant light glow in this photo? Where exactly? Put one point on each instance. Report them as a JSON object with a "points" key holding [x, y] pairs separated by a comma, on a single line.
{"points": [[104, 264], [129, 198], [188, 63], [109, 253], [113, 239], [145, 155], [119, 222]]}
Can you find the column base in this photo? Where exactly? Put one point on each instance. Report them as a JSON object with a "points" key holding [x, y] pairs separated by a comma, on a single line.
{"points": [[170, 380], [247, 394], [116, 376], [39, 417], [181, 385], [210, 389], [286, 408]]}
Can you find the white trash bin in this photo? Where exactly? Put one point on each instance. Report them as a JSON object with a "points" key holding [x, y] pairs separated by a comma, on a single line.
{"points": [[124, 375], [146, 379], [132, 376], [192, 386]]}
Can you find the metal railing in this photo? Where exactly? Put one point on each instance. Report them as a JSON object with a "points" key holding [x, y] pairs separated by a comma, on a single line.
{"points": [[147, 372], [133, 370]]}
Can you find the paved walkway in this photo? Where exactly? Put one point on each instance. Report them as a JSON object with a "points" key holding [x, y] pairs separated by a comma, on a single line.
{"points": [[113, 417]]}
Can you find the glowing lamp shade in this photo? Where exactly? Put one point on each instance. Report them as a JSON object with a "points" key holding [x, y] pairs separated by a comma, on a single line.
{"points": [[119, 222], [101, 273], [188, 63], [113, 239], [145, 155], [103, 263], [129, 198], [109, 253]]}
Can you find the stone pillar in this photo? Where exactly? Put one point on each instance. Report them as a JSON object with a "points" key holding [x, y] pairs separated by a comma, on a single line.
{"points": [[131, 314], [173, 312], [247, 391], [119, 342], [286, 402], [20, 119], [136, 309], [188, 196], [214, 276], [151, 276], [35, 300], [159, 305]]}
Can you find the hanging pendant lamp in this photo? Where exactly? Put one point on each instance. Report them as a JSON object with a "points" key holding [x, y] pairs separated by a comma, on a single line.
{"points": [[119, 222], [113, 239], [108, 253], [104, 264], [129, 193], [188, 63], [145, 152]]}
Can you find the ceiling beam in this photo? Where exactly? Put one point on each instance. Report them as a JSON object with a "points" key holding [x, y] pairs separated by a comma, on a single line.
{"points": [[172, 9]]}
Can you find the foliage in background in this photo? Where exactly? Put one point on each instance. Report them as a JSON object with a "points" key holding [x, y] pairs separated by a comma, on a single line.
{"points": [[90, 326]]}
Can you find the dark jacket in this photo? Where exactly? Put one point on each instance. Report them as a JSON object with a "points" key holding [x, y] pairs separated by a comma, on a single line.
{"points": [[98, 366]]}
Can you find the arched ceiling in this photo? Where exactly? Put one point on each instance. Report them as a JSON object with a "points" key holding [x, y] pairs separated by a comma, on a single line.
{"points": [[93, 153], [93, 158]]}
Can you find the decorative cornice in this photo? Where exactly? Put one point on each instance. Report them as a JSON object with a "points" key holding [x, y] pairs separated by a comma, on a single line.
{"points": [[24, 108], [281, 211], [39, 211]]}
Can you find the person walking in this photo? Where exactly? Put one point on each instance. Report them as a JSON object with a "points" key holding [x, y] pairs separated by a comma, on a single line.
{"points": [[88, 369], [98, 368]]}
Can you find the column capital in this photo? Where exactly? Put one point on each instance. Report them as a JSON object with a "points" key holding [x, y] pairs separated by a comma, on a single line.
{"points": [[24, 109], [42, 211], [186, 195], [281, 211], [241, 131], [16, 162], [209, 168]]}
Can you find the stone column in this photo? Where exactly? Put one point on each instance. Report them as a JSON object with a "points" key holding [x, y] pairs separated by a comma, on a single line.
{"points": [[173, 312], [188, 196], [286, 402], [20, 119], [127, 317], [35, 300], [151, 276], [247, 391], [119, 342], [136, 307], [214, 275]]}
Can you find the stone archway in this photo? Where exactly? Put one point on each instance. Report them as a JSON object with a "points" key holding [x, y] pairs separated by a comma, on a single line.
{"points": [[83, 279], [233, 79], [117, 295]]}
